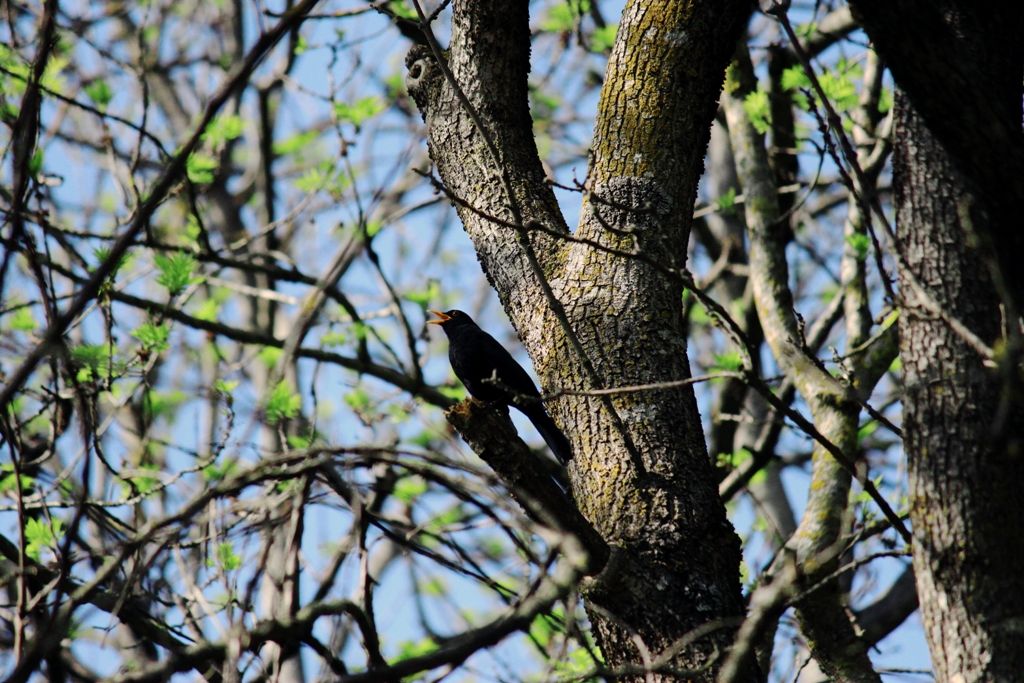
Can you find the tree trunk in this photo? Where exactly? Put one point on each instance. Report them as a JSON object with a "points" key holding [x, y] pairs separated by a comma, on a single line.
{"points": [[602, 307], [960, 64], [964, 487]]}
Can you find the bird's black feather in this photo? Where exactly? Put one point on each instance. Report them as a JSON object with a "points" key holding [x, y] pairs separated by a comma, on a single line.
{"points": [[490, 373]]}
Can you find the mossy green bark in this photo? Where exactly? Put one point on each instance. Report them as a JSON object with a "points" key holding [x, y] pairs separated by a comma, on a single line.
{"points": [[816, 542], [597, 309]]}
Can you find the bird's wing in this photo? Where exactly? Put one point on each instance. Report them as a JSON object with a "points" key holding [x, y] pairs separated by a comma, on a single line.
{"points": [[487, 369], [513, 378]]}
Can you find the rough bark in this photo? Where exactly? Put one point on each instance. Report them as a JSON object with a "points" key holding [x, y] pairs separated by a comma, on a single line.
{"points": [[961, 66], [602, 308], [964, 487], [815, 545]]}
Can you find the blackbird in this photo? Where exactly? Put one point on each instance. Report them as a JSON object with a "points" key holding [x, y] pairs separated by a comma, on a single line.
{"points": [[491, 374]]}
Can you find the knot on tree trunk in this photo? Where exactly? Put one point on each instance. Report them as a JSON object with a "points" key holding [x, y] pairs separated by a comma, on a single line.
{"points": [[423, 77]]}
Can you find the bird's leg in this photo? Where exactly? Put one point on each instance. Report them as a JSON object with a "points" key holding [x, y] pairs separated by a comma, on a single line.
{"points": [[496, 404]]}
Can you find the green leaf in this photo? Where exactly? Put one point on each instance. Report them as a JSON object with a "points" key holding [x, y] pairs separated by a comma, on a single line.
{"points": [[736, 459], [493, 549], [89, 355], [288, 486], [409, 649], [175, 271], [423, 439], [885, 100], [455, 393], [562, 17], [863, 496], [795, 78], [282, 404], [541, 630], [323, 176], [400, 9], [144, 484], [16, 406], [358, 400], [269, 356], [807, 29], [446, 519], [152, 336], [828, 293], [313, 180], [359, 111], [298, 441], [577, 664], [223, 129], [408, 489], [699, 314], [95, 360], [333, 339], [8, 111], [52, 79], [208, 310], [859, 243], [543, 104], [40, 534], [397, 413], [227, 558], [215, 473], [730, 360], [151, 34], [394, 84], [425, 296], [839, 87], [727, 202], [758, 110], [603, 38], [837, 84], [434, 586], [157, 404], [295, 143], [744, 572], [225, 386], [102, 254], [200, 168], [35, 164], [23, 320], [9, 481], [100, 93], [866, 430]]}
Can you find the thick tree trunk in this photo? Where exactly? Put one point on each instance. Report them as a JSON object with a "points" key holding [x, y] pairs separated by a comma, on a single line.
{"points": [[960, 64], [959, 176], [603, 308], [964, 488]]}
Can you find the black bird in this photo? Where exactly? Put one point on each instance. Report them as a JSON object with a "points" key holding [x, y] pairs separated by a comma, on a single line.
{"points": [[491, 374]]}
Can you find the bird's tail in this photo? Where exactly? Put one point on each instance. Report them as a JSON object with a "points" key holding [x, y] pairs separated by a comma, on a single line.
{"points": [[549, 431]]}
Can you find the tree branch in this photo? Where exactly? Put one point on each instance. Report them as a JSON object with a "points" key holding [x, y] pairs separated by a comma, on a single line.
{"points": [[156, 195]]}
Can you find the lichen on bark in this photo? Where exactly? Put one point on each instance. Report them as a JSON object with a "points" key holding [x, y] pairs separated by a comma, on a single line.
{"points": [[592, 317]]}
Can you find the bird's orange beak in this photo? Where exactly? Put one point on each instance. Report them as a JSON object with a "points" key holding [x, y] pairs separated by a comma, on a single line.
{"points": [[442, 318]]}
